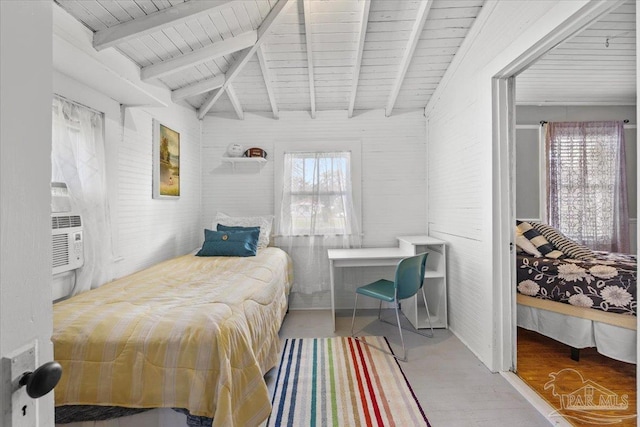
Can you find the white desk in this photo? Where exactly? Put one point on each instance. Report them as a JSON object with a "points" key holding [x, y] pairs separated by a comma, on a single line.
{"points": [[372, 257]]}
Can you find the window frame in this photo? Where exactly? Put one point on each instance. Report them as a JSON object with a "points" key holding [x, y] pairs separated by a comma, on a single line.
{"points": [[590, 141], [318, 146]]}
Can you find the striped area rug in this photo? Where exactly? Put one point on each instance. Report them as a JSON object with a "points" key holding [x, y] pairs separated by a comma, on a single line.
{"points": [[341, 382]]}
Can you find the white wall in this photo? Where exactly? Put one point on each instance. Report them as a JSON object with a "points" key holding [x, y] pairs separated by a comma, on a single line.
{"points": [[151, 230], [393, 173], [145, 230], [460, 163], [25, 196]]}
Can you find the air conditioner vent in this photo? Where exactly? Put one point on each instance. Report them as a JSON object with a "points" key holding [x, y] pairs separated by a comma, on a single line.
{"points": [[67, 242], [60, 250], [65, 221]]}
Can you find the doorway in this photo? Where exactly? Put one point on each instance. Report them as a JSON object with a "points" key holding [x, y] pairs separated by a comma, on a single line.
{"points": [[504, 124]]}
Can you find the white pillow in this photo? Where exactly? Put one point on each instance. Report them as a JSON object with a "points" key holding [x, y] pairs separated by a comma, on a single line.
{"points": [[524, 244], [264, 222]]}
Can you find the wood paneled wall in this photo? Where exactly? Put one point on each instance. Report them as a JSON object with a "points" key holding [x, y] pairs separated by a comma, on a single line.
{"points": [[393, 170], [145, 231], [462, 166], [151, 230]]}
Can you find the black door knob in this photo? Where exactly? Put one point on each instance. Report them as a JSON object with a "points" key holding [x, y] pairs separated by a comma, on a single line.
{"points": [[42, 380]]}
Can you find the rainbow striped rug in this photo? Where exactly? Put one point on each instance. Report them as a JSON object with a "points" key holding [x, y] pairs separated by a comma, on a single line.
{"points": [[341, 382]]}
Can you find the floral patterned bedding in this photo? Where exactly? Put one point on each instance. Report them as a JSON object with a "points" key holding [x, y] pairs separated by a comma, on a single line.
{"points": [[606, 283]]}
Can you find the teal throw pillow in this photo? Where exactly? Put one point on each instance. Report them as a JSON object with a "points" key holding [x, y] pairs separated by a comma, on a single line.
{"points": [[230, 243]]}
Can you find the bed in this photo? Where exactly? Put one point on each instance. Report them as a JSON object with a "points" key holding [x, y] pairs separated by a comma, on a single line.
{"points": [[193, 333], [581, 303]]}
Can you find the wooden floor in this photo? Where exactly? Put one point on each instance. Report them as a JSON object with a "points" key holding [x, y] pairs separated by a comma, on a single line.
{"points": [[539, 357]]}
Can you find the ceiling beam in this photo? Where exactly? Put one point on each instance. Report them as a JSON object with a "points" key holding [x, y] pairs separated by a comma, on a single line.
{"points": [[231, 93], [266, 74], [356, 68], [269, 23], [153, 22], [198, 88], [274, 16], [208, 103], [418, 25], [196, 57], [308, 35]]}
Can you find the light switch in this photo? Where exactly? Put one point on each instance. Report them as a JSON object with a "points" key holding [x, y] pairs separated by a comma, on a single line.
{"points": [[22, 411]]}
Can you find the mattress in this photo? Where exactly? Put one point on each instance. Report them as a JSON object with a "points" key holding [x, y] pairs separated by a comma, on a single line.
{"points": [[581, 303], [607, 283], [197, 333]]}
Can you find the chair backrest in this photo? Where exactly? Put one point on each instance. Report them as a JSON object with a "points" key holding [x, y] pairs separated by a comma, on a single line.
{"points": [[410, 275]]}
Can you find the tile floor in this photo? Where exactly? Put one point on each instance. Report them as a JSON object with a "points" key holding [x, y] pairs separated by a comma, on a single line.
{"points": [[452, 385]]}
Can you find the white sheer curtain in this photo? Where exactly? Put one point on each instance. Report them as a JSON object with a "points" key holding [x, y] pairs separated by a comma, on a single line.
{"points": [[586, 183], [317, 213], [78, 159]]}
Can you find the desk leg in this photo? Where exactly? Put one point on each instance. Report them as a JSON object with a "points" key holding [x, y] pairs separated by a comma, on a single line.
{"points": [[333, 292]]}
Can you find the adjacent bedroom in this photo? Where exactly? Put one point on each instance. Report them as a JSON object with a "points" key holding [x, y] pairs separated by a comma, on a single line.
{"points": [[576, 221]]}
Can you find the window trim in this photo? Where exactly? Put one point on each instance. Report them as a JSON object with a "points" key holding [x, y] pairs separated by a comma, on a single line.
{"points": [[353, 145], [572, 157]]}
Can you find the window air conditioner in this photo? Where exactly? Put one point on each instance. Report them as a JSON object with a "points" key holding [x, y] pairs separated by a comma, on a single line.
{"points": [[66, 239]]}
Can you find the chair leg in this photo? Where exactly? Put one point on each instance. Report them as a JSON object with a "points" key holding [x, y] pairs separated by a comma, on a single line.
{"points": [[353, 318], [412, 329], [398, 324], [404, 350], [424, 297]]}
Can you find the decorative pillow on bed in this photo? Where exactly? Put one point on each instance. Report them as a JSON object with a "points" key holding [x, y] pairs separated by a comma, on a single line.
{"points": [[563, 243], [528, 247], [525, 245], [546, 249], [264, 222], [229, 243], [231, 228]]}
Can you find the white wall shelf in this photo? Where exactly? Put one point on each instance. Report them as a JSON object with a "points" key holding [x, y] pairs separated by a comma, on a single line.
{"points": [[260, 161], [435, 284], [244, 159]]}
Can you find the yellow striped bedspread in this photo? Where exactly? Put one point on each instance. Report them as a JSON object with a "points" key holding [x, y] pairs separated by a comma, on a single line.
{"points": [[192, 332]]}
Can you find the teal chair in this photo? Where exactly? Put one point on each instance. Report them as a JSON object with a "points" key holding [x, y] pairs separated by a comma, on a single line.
{"points": [[408, 281]]}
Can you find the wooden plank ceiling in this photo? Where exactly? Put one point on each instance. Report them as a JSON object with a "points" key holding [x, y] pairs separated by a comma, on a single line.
{"points": [[596, 67], [265, 56]]}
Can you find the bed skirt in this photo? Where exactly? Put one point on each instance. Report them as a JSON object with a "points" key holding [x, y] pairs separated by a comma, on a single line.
{"points": [[614, 341]]}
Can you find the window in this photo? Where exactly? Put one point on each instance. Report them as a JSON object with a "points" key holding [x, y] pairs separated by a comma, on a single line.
{"points": [[317, 188], [317, 193], [587, 196], [317, 205], [78, 159]]}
